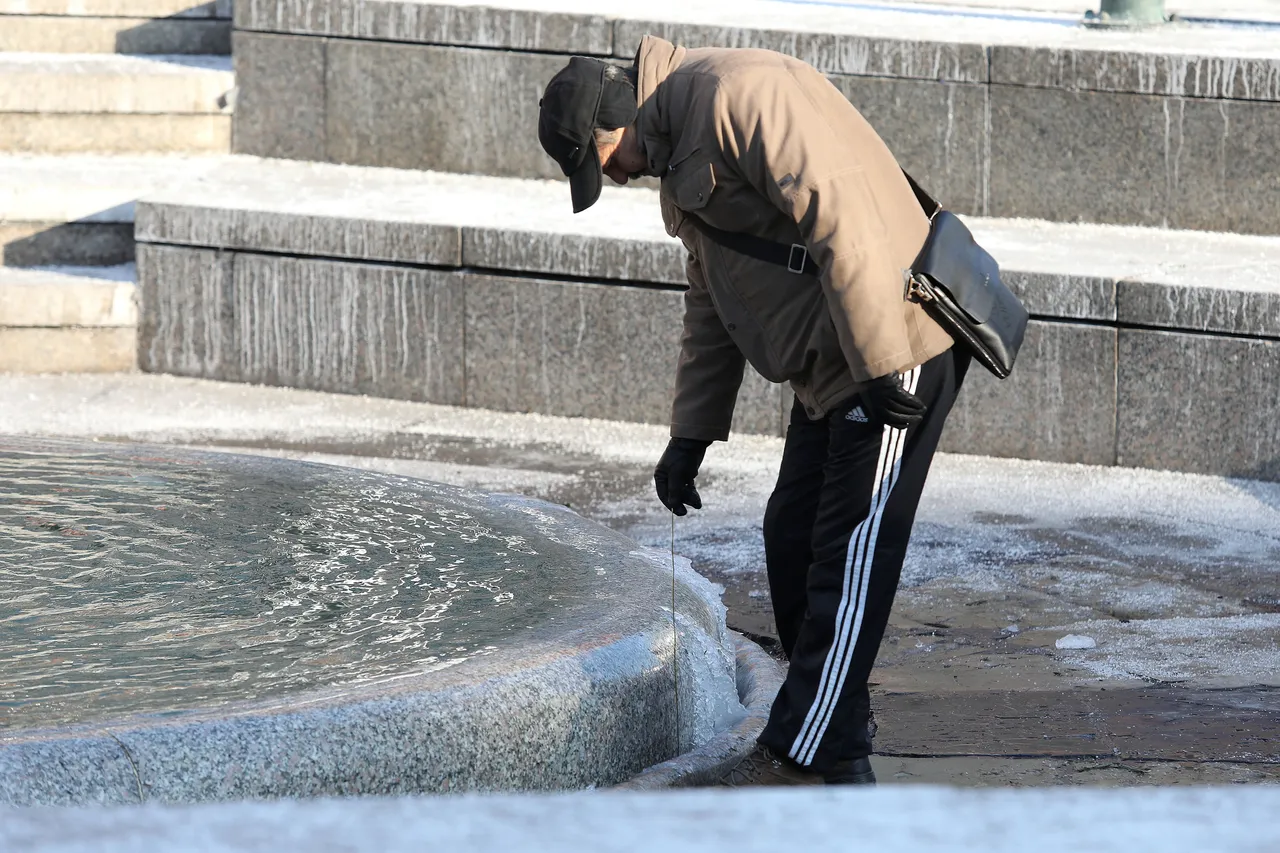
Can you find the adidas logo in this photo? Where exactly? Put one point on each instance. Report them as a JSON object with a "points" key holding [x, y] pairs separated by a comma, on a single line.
{"points": [[857, 416]]}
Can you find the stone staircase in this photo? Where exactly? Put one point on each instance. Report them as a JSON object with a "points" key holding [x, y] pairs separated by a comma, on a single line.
{"points": [[101, 101], [1128, 183]]}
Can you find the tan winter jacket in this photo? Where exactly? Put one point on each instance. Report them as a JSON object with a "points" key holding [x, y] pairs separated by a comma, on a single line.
{"points": [[755, 141]]}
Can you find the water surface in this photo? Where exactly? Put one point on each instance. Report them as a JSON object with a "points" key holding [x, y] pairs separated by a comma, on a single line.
{"points": [[157, 580]]}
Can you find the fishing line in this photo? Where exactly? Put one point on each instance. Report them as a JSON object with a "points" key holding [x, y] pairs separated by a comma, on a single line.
{"points": [[675, 632]]}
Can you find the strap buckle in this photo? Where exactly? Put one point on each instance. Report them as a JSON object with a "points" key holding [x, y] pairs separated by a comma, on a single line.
{"points": [[918, 289], [796, 260]]}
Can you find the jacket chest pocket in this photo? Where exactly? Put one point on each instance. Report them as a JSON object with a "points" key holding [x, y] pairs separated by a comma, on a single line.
{"points": [[684, 191], [692, 186]]}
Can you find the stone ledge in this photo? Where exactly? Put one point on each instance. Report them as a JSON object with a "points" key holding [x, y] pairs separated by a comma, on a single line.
{"points": [[760, 678], [986, 145], [432, 23], [1045, 49], [1197, 281], [445, 336]]}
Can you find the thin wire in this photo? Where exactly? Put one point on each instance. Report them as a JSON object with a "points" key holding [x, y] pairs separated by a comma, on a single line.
{"points": [[675, 632]]}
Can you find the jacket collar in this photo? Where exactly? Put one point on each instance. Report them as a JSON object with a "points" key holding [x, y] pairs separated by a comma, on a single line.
{"points": [[655, 61]]}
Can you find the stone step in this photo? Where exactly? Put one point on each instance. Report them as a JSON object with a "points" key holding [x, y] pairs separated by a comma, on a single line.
{"points": [[78, 209], [51, 103], [998, 113], [1235, 11], [70, 319], [119, 8], [266, 271], [1076, 271], [135, 35]]}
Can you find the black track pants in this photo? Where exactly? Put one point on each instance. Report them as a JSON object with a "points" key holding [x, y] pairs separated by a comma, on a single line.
{"points": [[835, 534]]}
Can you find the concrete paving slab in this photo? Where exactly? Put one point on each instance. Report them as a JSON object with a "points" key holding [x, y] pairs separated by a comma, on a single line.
{"points": [[68, 296], [919, 820], [86, 84]]}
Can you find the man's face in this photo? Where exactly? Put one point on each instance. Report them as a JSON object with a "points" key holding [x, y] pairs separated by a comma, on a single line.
{"points": [[622, 160]]}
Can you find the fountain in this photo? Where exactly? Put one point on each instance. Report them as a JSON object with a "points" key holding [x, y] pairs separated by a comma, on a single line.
{"points": [[189, 626]]}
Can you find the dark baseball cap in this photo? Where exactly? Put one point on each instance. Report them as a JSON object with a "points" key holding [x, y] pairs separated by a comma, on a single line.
{"points": [[578, 100]]}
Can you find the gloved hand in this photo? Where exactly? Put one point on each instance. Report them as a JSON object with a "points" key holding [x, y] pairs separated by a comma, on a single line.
{"points": [[887, 402], [673, 478]]}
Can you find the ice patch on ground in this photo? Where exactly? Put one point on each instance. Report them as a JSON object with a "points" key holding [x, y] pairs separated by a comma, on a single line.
{"points": [[1232, 648]]}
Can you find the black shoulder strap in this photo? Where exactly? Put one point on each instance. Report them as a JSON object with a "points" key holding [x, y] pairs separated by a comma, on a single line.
{"points": [[927, 202], [794, 257]]}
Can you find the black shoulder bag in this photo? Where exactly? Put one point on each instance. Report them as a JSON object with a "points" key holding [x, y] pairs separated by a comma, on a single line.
{"points": [[953, 279], [958, 284]]}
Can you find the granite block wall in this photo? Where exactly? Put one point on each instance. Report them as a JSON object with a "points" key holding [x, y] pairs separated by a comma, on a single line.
{"points": [[441, 336], [345, 327], [1129, 159], [1059, 404], [588, 350], [1200, 403], [280, 97]]}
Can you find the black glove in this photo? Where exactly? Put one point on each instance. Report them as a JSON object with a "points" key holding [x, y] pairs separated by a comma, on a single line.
{"points": [[676, 470], [889, 403]]}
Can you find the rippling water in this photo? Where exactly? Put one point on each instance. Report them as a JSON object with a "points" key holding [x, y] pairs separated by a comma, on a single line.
{"points": [[154, 580]]}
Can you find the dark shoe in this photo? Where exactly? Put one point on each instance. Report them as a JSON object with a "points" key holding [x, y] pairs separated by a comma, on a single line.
{"points": [[854, 771], [763, 767]]}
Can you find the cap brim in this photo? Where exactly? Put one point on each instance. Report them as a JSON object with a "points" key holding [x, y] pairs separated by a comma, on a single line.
{"points": [[586, 182]]}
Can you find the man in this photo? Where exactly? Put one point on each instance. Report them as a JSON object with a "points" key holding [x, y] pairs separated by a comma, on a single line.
{"points": [[799, 226]]}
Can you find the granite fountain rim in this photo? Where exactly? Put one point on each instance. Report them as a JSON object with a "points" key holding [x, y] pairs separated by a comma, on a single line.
{"points": [[579, 628]]}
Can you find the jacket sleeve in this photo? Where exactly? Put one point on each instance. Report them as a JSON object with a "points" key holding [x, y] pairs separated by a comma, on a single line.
{"points": [[780, 142], [710, 369]]}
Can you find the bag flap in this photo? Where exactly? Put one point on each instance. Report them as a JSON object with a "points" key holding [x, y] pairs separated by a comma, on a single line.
{"points": [[956, 262]]}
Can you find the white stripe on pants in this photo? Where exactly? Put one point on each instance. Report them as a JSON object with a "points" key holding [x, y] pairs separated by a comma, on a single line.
{"points": [[857, 577]]}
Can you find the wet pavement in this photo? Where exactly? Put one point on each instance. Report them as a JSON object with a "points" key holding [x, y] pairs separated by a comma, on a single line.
{"points": [[1174, 578]]}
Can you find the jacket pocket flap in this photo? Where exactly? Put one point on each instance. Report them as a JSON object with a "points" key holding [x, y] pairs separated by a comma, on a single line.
{"points": [[695, 187]]}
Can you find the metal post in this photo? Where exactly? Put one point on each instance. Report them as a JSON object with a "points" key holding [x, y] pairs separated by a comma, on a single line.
{"points": [[1127, 13]]}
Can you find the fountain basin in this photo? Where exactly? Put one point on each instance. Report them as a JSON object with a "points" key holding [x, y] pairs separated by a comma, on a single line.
{"points": [[186, 626]]}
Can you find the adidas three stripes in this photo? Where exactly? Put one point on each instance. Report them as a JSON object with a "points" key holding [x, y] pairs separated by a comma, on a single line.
{"points": [[836, 532]]}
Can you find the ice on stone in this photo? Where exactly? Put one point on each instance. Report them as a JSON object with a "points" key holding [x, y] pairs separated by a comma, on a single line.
{"points": [[1076, 642]]}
